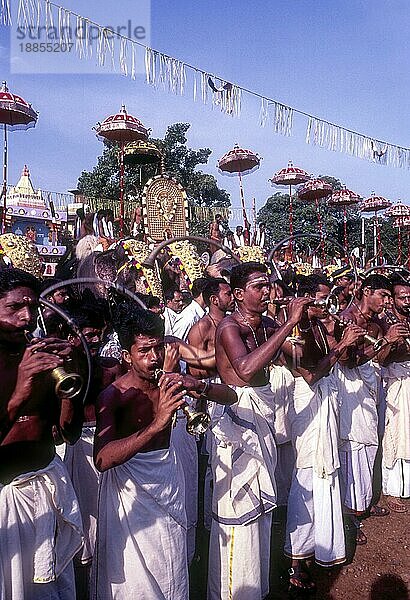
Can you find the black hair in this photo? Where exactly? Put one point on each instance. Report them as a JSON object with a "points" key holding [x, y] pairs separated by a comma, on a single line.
{"points": [[169, 293], [377, 282], [198, 286], [152, 301], [10, 279], [139, 322], [88, 316], [212, 288], [240, 273], [398, 278], [309, 284]]}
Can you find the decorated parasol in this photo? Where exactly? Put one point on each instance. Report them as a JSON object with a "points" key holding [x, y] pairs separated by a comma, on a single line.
{"points": [[344, 198], [401, 214], [240, 161], [122, 128], [312, 191], [15, 113], [375, 204], [289, 176]]}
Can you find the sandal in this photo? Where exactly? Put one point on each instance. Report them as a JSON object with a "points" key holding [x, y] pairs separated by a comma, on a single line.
{"points": [[395, 504], [299, 579], [378, 511], [361, 538]]}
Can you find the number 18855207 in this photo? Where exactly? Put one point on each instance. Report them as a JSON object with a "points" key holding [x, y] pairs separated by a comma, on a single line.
{"points": [[46, 47]]}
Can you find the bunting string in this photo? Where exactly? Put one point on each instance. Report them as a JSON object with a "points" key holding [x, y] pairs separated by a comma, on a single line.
{"points": [[172, 75]]}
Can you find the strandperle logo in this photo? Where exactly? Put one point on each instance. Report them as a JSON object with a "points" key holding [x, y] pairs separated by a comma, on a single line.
{"points": [[75, 47]]}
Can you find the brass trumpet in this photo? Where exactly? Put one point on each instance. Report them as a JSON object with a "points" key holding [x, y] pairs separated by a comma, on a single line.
{"points": [[197, 422], [67, 385], [392, 320], [377, 344], [330, 304]]}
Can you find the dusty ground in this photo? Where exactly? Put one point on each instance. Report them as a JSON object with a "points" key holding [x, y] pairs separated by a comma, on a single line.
{"points": [[380, 570]]}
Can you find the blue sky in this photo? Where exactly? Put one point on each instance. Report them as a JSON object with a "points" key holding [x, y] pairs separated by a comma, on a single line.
{"points": [[345, 61]]}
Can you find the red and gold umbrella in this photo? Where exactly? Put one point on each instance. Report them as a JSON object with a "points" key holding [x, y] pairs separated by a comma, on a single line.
{"points": [[375, 204], [122, 128], [312, 191], [15, 113], [289, 176], [401, 213], [344, 198], [240, 161]]}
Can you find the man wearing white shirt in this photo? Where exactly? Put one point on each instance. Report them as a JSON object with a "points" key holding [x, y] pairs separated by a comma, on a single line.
{"points": [[178, 321]]}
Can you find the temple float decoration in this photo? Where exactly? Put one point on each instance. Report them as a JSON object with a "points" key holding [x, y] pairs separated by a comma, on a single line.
{"points": [[29, 215]]}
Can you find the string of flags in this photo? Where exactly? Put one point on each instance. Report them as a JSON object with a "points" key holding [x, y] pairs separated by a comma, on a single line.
{"points": [[164, 72]]}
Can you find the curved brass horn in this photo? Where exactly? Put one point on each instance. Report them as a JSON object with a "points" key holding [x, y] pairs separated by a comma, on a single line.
{"points": [[150, 260]]}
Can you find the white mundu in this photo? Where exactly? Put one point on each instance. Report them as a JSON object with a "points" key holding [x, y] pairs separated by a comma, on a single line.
{"points": [[282, 385], [243, 466], [40, 533], [141, 531], [187, 454], [358, 398], [396, 439], [84, 476], [315, 521]]}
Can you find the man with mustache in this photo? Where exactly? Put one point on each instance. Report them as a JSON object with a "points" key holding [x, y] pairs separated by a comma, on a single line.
{"points": [[39, 518], [358, 382], [396, 373], [141, 549], [245, 457]]}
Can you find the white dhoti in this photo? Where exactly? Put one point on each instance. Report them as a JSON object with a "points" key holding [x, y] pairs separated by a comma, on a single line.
{"points": [[358, 397], [40, 533], [315, 521], [84, 476], [244, 495], [215, 411], [187, 453], [396, 439], [282, 385], [141, 531]]}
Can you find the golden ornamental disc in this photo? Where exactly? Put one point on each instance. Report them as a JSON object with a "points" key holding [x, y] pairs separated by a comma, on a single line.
{"points": [[165, 208]]}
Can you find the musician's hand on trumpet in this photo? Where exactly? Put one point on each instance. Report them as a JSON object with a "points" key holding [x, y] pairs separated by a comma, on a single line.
{"points": [[352, 334], [397, 332], [36, 360], [171, 398]]}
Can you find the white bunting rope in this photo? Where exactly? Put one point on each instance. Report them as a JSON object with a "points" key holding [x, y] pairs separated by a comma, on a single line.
{"points": [[172, 75]]}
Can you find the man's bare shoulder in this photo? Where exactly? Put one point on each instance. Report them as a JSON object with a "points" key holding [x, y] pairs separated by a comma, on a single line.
{"points": [[113, 393], [228, 322]]}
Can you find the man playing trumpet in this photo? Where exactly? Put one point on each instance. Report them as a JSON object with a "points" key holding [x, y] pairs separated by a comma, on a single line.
{"points": [[39, 518]]}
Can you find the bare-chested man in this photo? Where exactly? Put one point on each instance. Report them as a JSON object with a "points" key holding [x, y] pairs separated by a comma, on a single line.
{"points": [[358, 381], [39, 518], [396, 374], [219, 300], [141, 536], [245, 457], [315, 489]]}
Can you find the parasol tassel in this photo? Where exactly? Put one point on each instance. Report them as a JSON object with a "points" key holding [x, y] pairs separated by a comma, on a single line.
{"points": [[5, 16]]}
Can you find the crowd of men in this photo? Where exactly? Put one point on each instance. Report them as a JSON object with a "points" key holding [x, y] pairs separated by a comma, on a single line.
{"points": [[300, 402]]}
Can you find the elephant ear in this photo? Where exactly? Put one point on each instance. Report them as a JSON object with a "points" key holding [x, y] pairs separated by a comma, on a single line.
{"points": [[105, 265]]}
